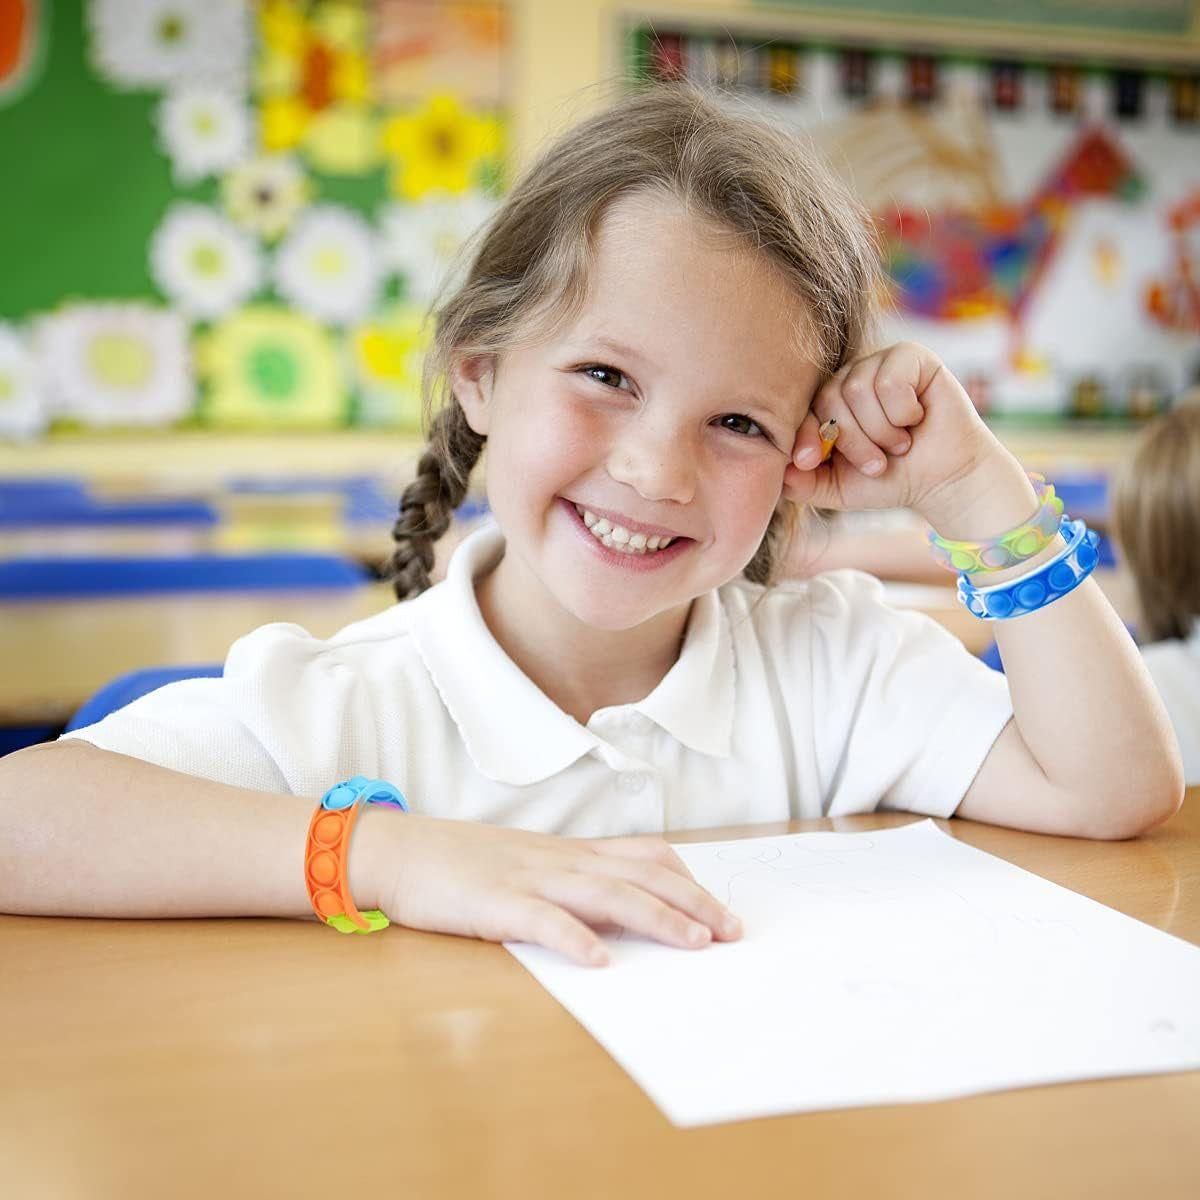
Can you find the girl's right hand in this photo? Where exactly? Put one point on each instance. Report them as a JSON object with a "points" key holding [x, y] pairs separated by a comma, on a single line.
{"points": [[503, 884]]}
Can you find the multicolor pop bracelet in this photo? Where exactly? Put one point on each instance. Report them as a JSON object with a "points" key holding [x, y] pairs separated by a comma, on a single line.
{"points": [[327, 850], [1006, 549], [1062, 574]]}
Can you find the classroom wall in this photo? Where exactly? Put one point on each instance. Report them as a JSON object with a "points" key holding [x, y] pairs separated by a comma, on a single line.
{"points": [[561, 47]]}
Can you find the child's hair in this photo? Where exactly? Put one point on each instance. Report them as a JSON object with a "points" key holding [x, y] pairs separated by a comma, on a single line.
{"points": [[528, 273], [1156, 519]]}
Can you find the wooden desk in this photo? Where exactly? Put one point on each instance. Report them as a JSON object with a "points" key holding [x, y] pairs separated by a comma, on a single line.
{"points": [[244, 1057]]}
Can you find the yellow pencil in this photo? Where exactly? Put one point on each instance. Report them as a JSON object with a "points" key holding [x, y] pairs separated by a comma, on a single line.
{"points": [[829, 433]]}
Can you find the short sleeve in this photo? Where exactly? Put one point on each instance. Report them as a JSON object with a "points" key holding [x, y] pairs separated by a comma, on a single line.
{"points": [[275, 720], [904, 713]]}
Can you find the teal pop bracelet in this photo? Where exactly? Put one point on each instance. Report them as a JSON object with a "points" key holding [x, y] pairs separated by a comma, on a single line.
{"points": [[1006, 549], [1062, 574]]}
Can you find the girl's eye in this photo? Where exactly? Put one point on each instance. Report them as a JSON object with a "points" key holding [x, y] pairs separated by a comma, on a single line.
{"points": [[596, 371], [743, 421]]}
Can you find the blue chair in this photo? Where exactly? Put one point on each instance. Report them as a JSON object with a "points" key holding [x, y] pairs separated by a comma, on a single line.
{"points": [[30, 503], [128, 687], [85, 575]]}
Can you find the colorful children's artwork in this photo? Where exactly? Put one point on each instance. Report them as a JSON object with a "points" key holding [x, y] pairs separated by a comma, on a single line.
{"points": [[1039, 218], [284, 188], [886, 967]]}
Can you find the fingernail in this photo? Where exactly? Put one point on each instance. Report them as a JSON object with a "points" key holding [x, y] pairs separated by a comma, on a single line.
{"points": [[598, 956], [806, 456], [730, 926], [874, 466], [902, 448], [697, 935]]}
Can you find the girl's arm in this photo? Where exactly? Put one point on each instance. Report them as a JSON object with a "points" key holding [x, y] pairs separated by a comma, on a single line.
{"points": [[1090, 751], [85, 832]]}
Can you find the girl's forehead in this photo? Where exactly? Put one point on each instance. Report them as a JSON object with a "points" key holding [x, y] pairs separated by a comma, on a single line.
{"points": [[662, 275]]}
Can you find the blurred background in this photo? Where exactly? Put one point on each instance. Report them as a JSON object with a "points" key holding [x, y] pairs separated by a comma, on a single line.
{"points": [[222, 223]]}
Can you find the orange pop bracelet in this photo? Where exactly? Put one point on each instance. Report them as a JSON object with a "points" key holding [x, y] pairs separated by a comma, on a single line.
{"points": [[327, 848]]}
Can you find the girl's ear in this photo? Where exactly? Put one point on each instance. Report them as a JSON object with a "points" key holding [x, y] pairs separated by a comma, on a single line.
{"points": [[471, 380]]}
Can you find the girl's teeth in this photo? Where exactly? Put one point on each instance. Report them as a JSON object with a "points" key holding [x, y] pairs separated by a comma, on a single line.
{"points": [[619, 539]]}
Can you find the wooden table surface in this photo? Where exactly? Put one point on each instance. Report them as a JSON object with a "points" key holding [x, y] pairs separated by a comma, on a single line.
{"points": [[271, 1058]]}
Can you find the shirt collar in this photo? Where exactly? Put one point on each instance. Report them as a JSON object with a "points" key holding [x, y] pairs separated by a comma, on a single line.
{"points": [[513, 731]]}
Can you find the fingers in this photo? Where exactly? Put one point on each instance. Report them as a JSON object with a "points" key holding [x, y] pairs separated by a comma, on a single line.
{"points": [[650, 848], [679, 892], [859, 391], [526, 918]]}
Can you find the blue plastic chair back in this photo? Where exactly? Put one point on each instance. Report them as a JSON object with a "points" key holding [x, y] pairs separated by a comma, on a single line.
{"points": [[82, 576], [73, 576], [128, 687]]}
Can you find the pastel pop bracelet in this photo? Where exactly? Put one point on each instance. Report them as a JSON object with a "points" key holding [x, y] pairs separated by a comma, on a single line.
{"points": [[1007, 549], [327, 849], [1041, 586]]}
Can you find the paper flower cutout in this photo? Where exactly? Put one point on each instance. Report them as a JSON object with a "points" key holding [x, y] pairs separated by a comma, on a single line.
{"points": [[22, 411], [160, 43], [204, 131], [264, 194], [422, 240], [440, 148], [388, 353], [115, 364], [329, 266], [203, 262], [266, 366]]}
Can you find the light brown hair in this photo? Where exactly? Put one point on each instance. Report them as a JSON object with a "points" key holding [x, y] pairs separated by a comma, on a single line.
{"points": [[1156, 519], [528, 269]]}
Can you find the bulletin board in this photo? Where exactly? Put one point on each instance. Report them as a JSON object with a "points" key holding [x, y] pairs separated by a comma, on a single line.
{"points": [[233, 214], [1039, 213]]}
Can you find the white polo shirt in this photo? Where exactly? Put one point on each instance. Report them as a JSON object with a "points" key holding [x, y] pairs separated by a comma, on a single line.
{"points": [[1174, 666], [811, 698]]}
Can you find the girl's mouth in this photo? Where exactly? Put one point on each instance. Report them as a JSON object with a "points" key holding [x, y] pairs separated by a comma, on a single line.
{"points": [[633, 552]]}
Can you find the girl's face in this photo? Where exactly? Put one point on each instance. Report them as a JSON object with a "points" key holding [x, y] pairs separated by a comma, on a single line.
{"points": [[672, 402]]}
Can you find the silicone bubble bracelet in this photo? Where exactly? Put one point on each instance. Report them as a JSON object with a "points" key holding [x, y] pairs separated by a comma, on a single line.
{"points": [[327, 850], [1007, 549], [1062, 574]]}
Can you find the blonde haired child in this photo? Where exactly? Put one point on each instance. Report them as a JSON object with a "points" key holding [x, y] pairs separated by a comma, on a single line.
{"points": [[1156, 510], [651, 331]]}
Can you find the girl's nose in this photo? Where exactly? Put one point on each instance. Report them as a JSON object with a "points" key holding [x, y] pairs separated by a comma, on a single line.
{"points": [[659, 465]]}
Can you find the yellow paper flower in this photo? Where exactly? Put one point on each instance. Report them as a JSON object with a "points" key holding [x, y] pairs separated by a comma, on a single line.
{"points": [[388, 353], [343, 140], [284, 121], [268, 366], [281, 26], [440, 147]]}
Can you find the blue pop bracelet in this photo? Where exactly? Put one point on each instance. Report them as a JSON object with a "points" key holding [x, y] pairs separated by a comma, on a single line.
{"points": [[1018, 597]]}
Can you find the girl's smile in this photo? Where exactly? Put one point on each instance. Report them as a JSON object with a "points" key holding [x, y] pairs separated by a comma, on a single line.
{"points": [[636, 558]]}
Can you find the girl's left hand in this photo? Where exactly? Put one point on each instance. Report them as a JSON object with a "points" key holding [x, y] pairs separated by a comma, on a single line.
{"points": [[908, 435]]}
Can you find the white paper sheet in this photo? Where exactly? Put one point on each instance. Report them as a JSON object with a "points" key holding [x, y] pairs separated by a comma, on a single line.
{"points": [[882, 967]]}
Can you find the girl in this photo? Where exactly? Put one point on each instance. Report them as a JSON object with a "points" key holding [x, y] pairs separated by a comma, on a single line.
{"points": [[652, 330], [1156, 510]]}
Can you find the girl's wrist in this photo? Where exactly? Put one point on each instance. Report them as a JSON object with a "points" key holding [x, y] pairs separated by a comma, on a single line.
{"points": [[981, 504]]}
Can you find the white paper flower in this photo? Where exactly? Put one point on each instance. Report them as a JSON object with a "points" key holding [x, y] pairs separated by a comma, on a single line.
{"points": [[203, 262], [204, 130], [115, 364], [264, 194], [22, 413], [330, 266], [156, 43], [421, 240]]}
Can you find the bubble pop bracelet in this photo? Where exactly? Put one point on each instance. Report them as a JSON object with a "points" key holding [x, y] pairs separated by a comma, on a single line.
{"points": [[327, 847]]}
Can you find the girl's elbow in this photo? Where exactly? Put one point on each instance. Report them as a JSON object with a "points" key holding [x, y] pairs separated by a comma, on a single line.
{"points": [[1157, 801]]}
